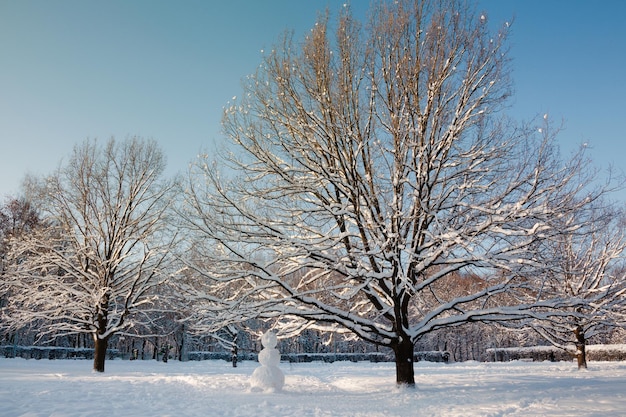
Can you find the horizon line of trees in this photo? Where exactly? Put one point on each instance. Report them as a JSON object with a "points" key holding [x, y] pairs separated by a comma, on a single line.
{"points": [[473, 342], [374, 191]]}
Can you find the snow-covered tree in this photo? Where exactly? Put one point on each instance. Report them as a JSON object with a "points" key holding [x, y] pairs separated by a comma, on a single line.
{"points": [[591, 269], [17, 217], [367, 170], [96, 266]]}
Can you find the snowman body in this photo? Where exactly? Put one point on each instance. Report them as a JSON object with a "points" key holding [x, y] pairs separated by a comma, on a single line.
{"points": [[268, 377]]}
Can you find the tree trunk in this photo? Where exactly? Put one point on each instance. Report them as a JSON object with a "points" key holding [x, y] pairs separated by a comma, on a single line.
{"points": [[581, 353], [405, 374], [181, 345], [100, 353]]}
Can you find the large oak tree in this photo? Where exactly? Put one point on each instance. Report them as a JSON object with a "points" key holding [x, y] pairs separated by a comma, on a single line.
{"points": [[370, 166]]}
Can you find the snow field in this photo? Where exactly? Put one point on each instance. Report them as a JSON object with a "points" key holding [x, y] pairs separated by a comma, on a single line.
{"points": [[31, 388]]}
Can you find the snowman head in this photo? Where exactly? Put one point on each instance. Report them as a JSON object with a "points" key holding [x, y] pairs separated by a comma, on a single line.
{"points": [[269, 339]]}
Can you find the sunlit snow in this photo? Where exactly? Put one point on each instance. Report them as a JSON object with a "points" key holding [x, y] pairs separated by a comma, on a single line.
{"points": [[214, 388]]}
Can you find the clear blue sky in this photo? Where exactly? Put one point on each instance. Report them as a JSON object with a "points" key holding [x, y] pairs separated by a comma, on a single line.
{"points": [[77, 69]]}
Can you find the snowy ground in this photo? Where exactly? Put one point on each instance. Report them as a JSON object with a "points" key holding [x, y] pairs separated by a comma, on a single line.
{"points": [[213, 388]]}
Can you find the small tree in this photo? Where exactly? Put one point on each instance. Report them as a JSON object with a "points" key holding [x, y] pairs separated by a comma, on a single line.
{"points": [[591, 270], [106, 249], [373, 167], [17, 218]]}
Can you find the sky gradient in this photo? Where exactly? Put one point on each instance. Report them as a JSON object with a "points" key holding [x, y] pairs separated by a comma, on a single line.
{"points": [[77, 69]]}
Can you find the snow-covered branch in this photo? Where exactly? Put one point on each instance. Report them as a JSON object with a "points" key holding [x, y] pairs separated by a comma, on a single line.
{"points": [[106, 249], [375, 186]]}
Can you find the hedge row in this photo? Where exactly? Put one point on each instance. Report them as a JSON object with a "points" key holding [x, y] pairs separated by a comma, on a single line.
{"points": [[554, 354], [44, 352], [225, 356], [434, 356], [39, 352]]}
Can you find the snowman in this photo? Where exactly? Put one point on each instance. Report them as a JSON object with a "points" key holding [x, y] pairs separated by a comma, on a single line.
{"points": [[268, 377]]}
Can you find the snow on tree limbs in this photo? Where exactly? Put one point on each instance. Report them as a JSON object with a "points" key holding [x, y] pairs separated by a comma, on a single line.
{"points": [[106, 247], [379, 189]]}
